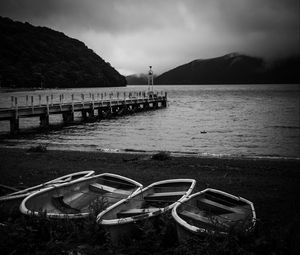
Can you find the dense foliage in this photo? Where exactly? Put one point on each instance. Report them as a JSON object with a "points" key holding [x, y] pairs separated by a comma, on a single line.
{"points": [[39, 235], [41, 57]]}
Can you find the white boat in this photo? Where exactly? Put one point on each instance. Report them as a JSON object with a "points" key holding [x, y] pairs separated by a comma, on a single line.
{"points": [[18, 196], [213, 211], [119, 219], [80, 198]]}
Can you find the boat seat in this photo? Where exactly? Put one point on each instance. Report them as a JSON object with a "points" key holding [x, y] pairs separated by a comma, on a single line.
{"points": [[100, 188], [59, 203], [164, 195], [216, 208], [195, 216], [137, 211]]}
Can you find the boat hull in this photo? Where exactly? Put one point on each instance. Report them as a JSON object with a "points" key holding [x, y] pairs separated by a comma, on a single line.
{"points": [[121, 219], [213, 212], [81, 198], [18, 196]]}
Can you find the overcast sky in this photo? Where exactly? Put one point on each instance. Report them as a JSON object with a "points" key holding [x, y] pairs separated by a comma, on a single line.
{"points": [[133, 34]]}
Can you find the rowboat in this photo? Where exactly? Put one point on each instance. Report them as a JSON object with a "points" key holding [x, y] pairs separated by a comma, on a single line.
{"points": [[213, 211], [119, 219], [80, 198], [18, 196]]}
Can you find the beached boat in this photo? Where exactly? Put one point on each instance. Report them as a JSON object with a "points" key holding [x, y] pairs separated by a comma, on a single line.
{"points": [[213, 211], [119, 219], [18, 196], [80, 198]]}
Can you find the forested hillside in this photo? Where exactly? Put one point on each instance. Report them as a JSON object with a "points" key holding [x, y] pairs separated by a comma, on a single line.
{"points": [[233, 68], [41, 57]]}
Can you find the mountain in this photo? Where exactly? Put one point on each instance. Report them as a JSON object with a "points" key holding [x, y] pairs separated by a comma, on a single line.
{"points": [[233, 68], [138, 79], [41, 57]]}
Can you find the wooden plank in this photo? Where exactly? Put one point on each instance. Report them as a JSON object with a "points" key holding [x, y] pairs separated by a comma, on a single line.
{"points": [[166, 194], [195, 216], [214, 207], [97, 187], [136, 211]]}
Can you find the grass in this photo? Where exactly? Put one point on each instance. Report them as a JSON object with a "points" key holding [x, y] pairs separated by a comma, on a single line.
{"points": [[21, 234]]}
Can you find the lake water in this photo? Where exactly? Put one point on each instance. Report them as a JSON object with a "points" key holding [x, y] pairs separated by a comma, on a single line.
{"points": [[203, 120]]}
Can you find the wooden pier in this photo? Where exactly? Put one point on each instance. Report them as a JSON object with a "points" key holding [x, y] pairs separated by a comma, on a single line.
{"points": [[93, 109]]}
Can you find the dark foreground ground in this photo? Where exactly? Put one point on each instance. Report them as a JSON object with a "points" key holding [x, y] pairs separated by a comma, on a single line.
{"points": [[272, 185]]}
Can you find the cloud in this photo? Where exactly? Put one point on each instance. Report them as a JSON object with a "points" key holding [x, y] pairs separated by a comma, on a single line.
{"points": [[131, 34], [113, 16]]}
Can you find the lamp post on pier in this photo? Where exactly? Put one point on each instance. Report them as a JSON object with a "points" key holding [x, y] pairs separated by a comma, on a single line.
{"points": [[150, 79]]}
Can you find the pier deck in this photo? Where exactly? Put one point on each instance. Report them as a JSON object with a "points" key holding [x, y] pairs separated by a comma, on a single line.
{"points": [[91, 110]]}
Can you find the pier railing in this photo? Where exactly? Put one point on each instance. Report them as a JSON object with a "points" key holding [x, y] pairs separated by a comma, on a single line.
{"points": [[93, 106], [62, 98]]}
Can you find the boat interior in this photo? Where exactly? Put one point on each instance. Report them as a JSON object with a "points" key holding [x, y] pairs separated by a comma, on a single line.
{"points": [[84, 196], [215, 211], [151, 200]]}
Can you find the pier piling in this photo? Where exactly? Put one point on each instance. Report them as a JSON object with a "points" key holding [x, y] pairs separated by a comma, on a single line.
{"points": [[44, 120]]}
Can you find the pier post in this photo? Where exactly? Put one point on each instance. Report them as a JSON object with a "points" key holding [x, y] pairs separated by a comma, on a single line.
{"points": [[82, 99], [91, 113], [84, 115], [93, 102], [60, 103], [14, 125], [16, 108], [44, 120], [68, 117], [47, 101], [32, 106], [100, 114], [12, 101], [164, 102]]}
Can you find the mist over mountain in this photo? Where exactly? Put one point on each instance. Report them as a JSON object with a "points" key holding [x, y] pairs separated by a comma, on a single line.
{"points": [[138, 79], [233, 68], [33, 56]]}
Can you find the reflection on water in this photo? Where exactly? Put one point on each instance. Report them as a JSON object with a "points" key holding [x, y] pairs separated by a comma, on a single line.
{"points": [[235, 120]]}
